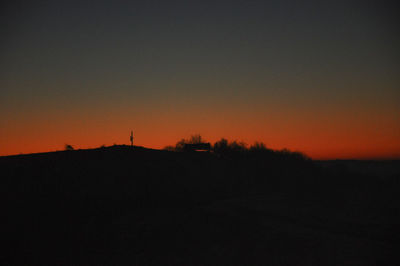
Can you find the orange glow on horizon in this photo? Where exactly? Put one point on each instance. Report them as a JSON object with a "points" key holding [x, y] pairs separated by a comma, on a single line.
{"points": [[311, 139], [323, 135], [373, 151]]}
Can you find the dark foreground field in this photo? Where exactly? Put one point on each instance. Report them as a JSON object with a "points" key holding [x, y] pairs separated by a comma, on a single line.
{"points": [[123, 206]]}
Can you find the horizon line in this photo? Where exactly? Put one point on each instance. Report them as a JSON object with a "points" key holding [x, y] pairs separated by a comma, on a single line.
{"points": [[395, 158]]}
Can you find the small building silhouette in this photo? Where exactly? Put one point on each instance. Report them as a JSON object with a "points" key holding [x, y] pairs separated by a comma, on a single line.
{"points": [[197, 147]]}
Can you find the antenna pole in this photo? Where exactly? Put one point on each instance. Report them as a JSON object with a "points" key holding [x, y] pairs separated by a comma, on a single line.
{"points": [[131, 138]]}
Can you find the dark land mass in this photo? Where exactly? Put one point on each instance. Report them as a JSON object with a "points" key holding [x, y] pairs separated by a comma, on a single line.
{"points": [[135, 206]]}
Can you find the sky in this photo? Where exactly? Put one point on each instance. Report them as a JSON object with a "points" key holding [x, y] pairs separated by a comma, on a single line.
{"points": [[320, 77]]}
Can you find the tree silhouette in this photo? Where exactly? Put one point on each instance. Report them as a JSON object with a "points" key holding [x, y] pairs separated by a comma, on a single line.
{"points": [[258, 147], [194, 139], [221, 146], [180, 145]]}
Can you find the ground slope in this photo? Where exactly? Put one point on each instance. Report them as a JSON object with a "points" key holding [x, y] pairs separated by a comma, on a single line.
{"points": [[124, 206]]}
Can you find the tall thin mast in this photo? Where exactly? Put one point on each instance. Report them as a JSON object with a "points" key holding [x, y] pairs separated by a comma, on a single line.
{"points": [[131, 138]]}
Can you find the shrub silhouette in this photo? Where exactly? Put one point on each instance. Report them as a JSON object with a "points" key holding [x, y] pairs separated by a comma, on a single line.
{"points": [[169, 148], [69, 147]]}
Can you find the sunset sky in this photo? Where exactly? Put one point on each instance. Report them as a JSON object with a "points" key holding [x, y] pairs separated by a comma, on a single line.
{"points": [[321, 77]]}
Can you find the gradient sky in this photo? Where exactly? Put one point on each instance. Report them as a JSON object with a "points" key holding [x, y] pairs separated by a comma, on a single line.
{"points": [[321, 77]]}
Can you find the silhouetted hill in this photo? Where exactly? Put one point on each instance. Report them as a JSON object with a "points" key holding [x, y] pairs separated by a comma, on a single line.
{"points": [[135, 206]]}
